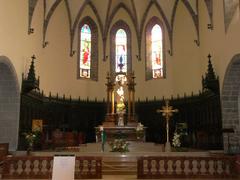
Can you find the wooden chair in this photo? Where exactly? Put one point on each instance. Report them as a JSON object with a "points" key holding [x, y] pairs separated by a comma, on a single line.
{"points": [[4, 149], [58, 138]]}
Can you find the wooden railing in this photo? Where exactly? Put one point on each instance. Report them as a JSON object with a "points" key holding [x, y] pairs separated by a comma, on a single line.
{"points": [[186, 167], [38, 167]]}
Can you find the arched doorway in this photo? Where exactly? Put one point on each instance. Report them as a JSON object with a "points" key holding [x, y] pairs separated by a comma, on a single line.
{"points": [[231, 104], [9, 104]]}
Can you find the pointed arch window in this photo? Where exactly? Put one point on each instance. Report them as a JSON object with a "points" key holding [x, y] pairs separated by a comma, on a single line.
{"points": [[85, 49], [120, 48], [121, 51], [155, 64], [88, 50]]}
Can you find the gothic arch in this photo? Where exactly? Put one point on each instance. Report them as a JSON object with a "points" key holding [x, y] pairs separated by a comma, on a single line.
{"points": [[114, 12], [195, 18], [9, 103], [47, 19], [111, 17], [168, 26], [94, 46], [231, 101], [148, 66], [120, 25], [73, 28]]}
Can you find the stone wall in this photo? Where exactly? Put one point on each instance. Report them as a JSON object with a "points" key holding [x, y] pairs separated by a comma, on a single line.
{"points": [[231, 103], [9, 104]]}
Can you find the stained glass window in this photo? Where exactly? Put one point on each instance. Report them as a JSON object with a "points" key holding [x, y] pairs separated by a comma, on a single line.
{"points": [[85, 51], [121, 51], [156, 52]]}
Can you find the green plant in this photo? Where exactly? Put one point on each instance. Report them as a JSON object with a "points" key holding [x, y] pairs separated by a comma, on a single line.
{"points": [[176, 140], [140, 131], [32, 138], [119, 145]]}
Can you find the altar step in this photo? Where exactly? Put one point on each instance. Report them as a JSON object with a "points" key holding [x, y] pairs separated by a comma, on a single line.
{"points": [[133, 147], [116, 163], [119, 165]]}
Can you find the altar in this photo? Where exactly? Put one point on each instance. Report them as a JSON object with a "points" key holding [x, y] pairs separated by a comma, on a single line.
{"points": [[120, 121], [124, 132]]}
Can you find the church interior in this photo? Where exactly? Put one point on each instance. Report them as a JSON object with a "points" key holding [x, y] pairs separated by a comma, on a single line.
{"points": [[144, 88]]}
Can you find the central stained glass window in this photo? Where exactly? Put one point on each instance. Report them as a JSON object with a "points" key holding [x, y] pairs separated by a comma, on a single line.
{"points": [[121, 51]]}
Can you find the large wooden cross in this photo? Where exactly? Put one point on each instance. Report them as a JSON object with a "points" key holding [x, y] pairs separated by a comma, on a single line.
{"points": [[167, 111]]}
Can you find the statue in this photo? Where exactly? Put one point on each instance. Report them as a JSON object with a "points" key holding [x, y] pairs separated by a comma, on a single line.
{"points": [[121, 108]]}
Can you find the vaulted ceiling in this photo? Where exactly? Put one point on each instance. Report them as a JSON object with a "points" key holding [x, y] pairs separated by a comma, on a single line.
{"points": [[105, 11]]}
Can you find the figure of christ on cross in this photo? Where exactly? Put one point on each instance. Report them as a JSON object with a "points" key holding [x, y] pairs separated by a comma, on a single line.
{"points": [[167, 111]]}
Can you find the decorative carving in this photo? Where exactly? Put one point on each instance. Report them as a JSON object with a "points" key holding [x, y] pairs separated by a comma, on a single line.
{"points": [[72, 53], [209, 4], [210, 81], [45, 44], [31, 7], [195, 18], [116, 115], [30, 82], [210, 26], [197, 42], [47, 19]]}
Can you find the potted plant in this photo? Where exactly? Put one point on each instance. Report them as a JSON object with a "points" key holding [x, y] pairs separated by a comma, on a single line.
{"points": [[176, 143], [119, 145], [31, 138], [139, 131]]}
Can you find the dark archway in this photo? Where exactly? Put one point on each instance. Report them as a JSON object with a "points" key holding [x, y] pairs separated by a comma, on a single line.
{"points": [[9, 104], [231, 102]]}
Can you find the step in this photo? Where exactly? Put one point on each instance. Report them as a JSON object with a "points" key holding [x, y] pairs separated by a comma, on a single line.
{"points": [[119, 165]]}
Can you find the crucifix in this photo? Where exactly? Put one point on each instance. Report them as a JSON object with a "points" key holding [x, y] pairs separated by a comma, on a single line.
{"points": [[167, 111]]}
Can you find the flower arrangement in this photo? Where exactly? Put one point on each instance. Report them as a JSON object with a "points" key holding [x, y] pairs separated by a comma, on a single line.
{"points": [[119, 145], [139, 131], [120, 107], [176, 140], [31, 138]]}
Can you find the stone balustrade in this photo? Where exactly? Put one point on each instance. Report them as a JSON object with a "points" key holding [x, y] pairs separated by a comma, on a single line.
{"points": [[39, 167], [157, 167]]}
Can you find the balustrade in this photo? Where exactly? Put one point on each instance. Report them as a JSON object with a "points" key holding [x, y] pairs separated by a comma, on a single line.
{"points": [[186, 167], [38, 167]]}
